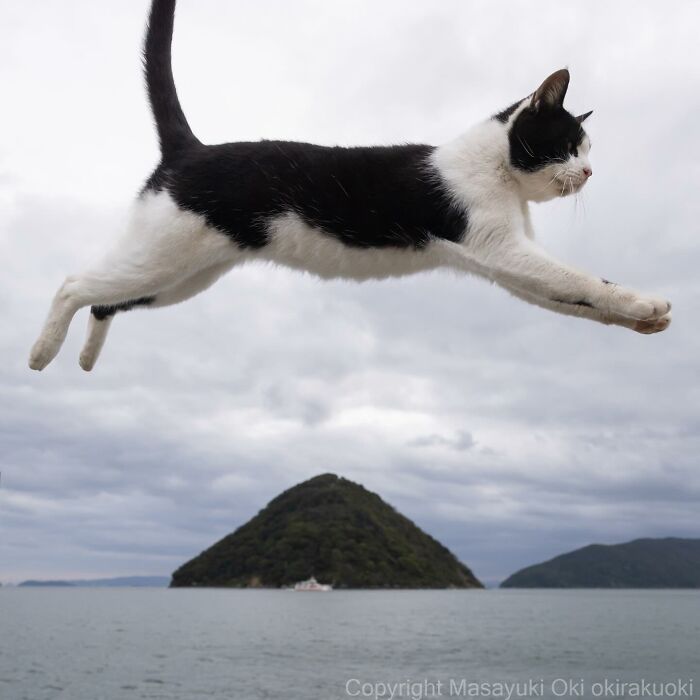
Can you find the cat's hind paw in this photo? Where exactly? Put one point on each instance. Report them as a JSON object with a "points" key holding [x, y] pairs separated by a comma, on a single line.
{"points": [[87, 360], [43, 351]]}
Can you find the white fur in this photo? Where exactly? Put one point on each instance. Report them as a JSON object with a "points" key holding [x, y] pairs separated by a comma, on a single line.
{"points": [[173, 254], [166, 252], [299, 246], [501, 238]]}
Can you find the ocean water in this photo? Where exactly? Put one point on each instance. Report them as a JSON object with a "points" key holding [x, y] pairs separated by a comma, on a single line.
{"points": [[109, 644]]}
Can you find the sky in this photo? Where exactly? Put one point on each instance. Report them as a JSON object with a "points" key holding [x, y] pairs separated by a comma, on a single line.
{"points": [[509, 433]]}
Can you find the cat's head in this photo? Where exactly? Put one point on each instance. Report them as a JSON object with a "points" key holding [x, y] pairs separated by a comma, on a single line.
{"points": [[548, 145]]}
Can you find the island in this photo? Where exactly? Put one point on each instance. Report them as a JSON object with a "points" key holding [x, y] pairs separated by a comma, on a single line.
{"points": [[335, 530], [670, 562], [118, 582]]}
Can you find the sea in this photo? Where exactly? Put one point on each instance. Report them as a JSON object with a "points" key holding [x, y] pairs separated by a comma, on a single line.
{"points": [[183, 644]]}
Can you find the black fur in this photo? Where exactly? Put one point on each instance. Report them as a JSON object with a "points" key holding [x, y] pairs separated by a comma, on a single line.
{"points": [[504, 115], [366, 197], [542, 136], [102, 312], [371, 197], [582, 302], [174, 132]]}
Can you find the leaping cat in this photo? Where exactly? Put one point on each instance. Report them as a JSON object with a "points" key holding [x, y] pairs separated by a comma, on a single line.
{"points": [[358, 213]]}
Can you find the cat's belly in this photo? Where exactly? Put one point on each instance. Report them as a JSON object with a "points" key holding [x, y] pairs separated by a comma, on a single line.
{"points": [[295, 244]]}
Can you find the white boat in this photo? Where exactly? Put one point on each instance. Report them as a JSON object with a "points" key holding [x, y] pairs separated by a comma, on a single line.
{"points": [[312, 585]]}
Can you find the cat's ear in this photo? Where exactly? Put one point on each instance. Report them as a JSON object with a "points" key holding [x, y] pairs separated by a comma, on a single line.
{"points": [[582, 117], [552, 91]]}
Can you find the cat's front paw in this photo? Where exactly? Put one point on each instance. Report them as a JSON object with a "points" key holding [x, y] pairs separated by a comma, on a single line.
{"points": [[641, 307], [654, 326], [650, 308]]}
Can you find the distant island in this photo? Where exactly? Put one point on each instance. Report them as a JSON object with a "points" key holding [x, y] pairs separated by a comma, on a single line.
{"points": [[335, 530], [670, 562], [118, 582]]}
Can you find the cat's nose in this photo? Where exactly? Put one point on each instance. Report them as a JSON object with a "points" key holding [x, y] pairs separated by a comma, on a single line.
{"points": [[587, 172]]}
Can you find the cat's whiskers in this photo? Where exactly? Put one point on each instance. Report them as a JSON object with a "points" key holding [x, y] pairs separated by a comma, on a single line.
{"points": [[563, 183], [556, 176], [527, 147]]}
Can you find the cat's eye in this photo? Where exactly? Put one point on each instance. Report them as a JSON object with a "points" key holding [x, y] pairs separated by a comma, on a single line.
{"points": [[572, 149]]}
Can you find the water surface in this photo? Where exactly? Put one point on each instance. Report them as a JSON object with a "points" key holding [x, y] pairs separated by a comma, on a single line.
{"points": [[109, 644]]}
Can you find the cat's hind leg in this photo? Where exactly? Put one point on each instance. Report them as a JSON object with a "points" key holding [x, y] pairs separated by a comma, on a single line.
{"points": [[163, 247], [101, 317], [193, 285], [63, 308], [96, 334], [98, 324]]}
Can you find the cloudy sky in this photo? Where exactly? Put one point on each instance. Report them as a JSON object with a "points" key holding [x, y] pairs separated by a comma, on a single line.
{"points": [[510, 433]]}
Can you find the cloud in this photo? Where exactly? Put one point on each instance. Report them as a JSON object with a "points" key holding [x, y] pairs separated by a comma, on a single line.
{"points": [[460, 442], [509, 433]]}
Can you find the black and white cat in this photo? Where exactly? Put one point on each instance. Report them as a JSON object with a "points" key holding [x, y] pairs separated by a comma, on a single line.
{"points": [[358, 213]]}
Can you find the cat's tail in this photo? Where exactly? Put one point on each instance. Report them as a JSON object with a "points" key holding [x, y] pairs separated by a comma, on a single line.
{"points": [[174, 132]]}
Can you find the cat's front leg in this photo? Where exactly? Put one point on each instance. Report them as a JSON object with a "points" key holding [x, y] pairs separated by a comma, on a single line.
{"points": [[522, 265], [645, 327]]}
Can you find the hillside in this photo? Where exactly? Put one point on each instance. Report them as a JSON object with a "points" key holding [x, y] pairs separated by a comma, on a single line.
{"points": [[646, 563], [335, 530]]}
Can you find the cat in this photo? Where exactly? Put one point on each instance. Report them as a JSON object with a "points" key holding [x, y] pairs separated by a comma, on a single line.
{"points": [[359, 213]]}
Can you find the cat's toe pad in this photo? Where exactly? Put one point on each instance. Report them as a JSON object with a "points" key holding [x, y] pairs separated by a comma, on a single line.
{"points": [[654, 326]]}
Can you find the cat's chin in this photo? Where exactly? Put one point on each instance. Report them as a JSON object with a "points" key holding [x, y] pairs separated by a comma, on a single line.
{"points": [[568, 187], [545, 186]]}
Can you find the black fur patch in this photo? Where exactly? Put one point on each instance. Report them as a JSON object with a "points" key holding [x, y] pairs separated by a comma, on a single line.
{"points": [[102, 312], [366, 197], [505, 114], [575, 303], [542, 136], [174, 133]]}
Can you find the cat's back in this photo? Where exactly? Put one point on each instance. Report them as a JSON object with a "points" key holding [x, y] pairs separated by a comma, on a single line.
{"points": [[367, 196], [283, 166]]}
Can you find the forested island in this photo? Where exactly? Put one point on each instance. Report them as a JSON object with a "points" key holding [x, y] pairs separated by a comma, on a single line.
{"points": [[335, 530], [670, 562]]}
